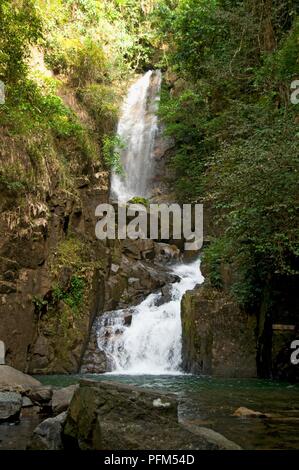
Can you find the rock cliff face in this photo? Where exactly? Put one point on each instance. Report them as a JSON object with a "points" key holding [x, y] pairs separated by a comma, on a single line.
{"points": [[52, 279], [56, 277], [218, 338]]}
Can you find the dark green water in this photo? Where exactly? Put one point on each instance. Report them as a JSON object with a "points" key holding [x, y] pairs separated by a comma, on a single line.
{"points": [[211, 402]]}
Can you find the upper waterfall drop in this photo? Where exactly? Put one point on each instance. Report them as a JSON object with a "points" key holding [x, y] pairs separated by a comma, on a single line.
{"points": [[137, 129]]}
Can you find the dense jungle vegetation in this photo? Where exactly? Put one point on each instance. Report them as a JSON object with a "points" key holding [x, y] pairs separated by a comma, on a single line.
{"points": [[228, 68], [237, 131], [63, 63]]}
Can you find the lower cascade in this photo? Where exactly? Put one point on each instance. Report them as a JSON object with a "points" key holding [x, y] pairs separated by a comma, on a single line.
{"points": [[151, 344]]}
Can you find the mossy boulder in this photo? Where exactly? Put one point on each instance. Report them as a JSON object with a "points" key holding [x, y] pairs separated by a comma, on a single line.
{"points": [[218, 337], [114, 416]]}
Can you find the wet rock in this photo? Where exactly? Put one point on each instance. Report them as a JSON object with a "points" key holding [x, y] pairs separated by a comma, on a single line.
{"points": [[47, 435], [62, 397], [12, 379], [112, 416], [218, 338], [26, 402], [26, 277], [41, 395], [165, 297], [114, 268], [7, 287], [128, 320], [2, 353], [138, 249], [41, 347], [10, 276], [164, 251], [166, 292], [134, 281], [94, 360], [39, 363], [162, 145], [10, 406], [131, 249], [82, 182], [247, 413], [211, 436], [65, 277], [115, 288], [31, 411]]}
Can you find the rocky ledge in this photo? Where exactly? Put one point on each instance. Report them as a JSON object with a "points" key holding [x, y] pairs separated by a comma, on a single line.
{"points": [[113, 416], [218, 338]]}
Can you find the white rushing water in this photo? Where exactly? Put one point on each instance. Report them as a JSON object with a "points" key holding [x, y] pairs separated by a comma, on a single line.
{"points": [[152, 343], [137, 128]]}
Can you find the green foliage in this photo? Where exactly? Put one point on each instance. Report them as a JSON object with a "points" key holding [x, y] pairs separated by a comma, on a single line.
{"points": [[260, 210], [88, 63], [94, 41], [139, 200], [236, 134], [33, 107], [34, 114], [101, 102], [39, 303], [112, 146], [92, 47], [136, 19], [11, 185], [226, 105], [215, 255], [183, 123], [70, 252], [73, 296], [20, 27], [82, 59], [281, 67]]}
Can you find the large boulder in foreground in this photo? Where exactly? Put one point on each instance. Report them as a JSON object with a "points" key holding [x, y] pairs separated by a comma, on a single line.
{"points": [[15, 380], [112, 416], [10, 406]]}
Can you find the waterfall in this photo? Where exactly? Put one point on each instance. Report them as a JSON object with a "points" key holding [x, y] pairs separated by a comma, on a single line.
{"points": [[151, 344], [145, 339], [137, 129]]}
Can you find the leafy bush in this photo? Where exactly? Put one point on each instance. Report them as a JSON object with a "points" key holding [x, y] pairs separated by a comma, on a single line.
{"points": [[73, 296], [236, 135], [111, 152], [20, 27], [101, 102], [87, 63], [139, 200]]}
